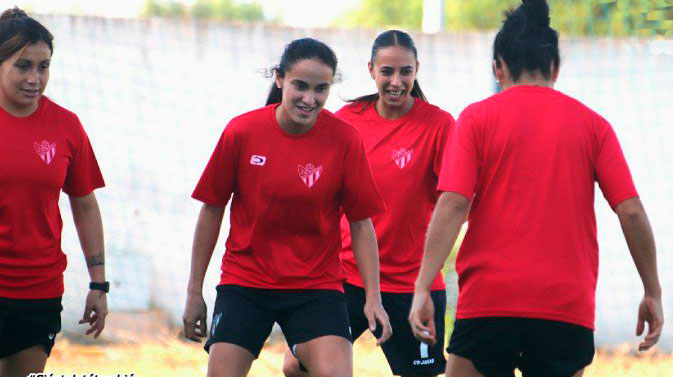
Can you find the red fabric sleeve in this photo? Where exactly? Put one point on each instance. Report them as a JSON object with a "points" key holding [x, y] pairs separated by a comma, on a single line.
{"points": [[361, 197], [219, 178], [83, 175], [460, 164], [442, 139], [612, 171]]}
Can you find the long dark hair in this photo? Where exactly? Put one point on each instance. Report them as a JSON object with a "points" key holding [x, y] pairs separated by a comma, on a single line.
{"points": [[18, 30], [526, 42], [387, 39], [300, 49]]}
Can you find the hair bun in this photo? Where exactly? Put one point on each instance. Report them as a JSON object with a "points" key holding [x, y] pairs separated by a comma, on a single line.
{"points": [[13, 13], [538, 11]]}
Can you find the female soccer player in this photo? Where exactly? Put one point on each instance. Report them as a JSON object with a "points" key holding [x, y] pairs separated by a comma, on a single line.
{"points": [[404, 137], [43, 150], [291, 167], [523, 163]]}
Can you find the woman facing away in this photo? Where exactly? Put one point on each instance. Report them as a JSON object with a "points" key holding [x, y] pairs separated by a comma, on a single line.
{"points": [[404, 137], [43, 150], [291, 168], [523, 165]]}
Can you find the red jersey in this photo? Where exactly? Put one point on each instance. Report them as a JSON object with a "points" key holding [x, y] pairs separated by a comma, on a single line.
{"points": [[40, 155], [405, 155], [529, 157], [287, 194]]}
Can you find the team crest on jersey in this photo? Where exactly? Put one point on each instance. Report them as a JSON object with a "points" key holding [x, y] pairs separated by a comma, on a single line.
{"points": [[309, 174], [402, 157], [46, 151]]}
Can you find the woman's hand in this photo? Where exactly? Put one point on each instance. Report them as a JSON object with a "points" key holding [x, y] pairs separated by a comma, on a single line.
{"points": [[194, 318], [376, 314], [95, 311]]}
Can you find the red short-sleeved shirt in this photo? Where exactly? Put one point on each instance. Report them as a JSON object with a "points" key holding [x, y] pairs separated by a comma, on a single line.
{"points": [[40, 155], [529, 157], [405, 155], [287, 194]]}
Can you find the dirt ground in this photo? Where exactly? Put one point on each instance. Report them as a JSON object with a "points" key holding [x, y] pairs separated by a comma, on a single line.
{"points": [[167, 355]]}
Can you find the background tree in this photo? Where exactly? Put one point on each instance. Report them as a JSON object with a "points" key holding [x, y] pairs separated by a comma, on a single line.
{"points": [[226, 10], [405, 14], [570, 17]]}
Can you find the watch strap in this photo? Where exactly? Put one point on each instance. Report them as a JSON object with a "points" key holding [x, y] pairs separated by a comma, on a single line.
{"points": [[105, 287]]}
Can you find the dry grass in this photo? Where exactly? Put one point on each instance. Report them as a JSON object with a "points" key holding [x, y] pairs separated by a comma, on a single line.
{"points": [[169, 356]]}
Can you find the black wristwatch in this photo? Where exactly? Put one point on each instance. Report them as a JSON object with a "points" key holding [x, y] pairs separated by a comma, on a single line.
{"points": [[105, 287]]}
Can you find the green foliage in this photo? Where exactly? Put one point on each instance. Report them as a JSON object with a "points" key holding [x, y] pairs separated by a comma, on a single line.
{"points": [[226, 10], [406, 14], [570, 17], [171, 9], [612, 18]]}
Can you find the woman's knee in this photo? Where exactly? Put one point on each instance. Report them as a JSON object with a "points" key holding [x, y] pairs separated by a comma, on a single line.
{"points": [[328, 356], [229, 360], [328, 369], [291, 366]]}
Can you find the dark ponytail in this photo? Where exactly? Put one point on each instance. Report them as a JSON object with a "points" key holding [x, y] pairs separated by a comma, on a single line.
{"points": [[387, 39], [526, 42], [18, 30], [300, 49], [275, 93]]}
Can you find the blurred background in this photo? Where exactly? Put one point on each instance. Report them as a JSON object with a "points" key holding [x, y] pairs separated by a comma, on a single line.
{"points": [[155, 82]]}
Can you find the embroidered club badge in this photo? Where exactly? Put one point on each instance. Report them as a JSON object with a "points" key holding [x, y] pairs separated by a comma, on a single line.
{"points": [[46, 151], [309, 174], [402, 157]]}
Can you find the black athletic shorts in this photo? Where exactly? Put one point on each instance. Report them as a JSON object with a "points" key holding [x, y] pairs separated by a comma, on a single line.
{"points": [[538, 347], [26, 323], [405, 354], [244, 316]]}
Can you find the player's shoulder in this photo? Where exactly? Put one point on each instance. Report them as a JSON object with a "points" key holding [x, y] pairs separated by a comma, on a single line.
{"points": [[354, 110], [262, 113], [338, 124], [338, 130], [251, 120], [53, 109], [576, 106], [434, 113]]}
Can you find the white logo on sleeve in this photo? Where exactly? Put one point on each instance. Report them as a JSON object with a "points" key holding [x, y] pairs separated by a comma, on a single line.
{"points": [[257, 160], [309, 174], [402, 157], [46, 151]]}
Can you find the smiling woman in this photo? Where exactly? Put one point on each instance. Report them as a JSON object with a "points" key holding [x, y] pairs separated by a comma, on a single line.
{"points": [[43, 150], [404, 137], [393, 65], [24, 76], [25, 63], [293, 168], [302, 83]]}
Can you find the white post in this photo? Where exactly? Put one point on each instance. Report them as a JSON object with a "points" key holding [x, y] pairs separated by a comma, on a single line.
{"points": [[433, 15]]}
